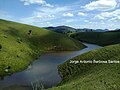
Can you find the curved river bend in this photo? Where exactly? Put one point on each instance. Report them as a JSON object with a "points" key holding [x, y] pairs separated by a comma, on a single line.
{"points": [[43, 69]]}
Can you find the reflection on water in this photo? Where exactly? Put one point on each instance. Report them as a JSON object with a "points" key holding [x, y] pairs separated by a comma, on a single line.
{"points": [[44, 69]]}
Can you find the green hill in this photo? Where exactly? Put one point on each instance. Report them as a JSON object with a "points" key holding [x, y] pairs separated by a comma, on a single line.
{"points": [[88, 76], [62, 29], [18, 48], [100, 38]]}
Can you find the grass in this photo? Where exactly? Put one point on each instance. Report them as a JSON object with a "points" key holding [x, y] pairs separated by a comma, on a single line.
{"points": [[18, 49], [92, 76], [100, 38], [37, 85]]}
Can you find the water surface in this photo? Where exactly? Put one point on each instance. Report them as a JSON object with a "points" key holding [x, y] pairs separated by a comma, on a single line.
{"points": [[44, 69]]}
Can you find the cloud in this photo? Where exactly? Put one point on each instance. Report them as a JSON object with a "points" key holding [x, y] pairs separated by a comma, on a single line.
{"points": [[54, 10], [28, 2], [5, 15], [108, 15], [68, 14], [48, 5], [44, 14], [86, 21], [115, 19], [41, 15], [37, 17], [81, 14], [69, 20], [102, 5], [39, 2], [46, 23], [99, 17]]}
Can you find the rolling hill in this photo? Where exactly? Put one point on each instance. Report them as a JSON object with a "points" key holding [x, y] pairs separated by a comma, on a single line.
{"points": [[20, 44], [92, 76], [62, 29], [100, 38]]}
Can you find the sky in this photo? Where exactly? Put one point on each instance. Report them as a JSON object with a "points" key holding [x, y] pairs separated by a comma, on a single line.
{"points": [[95, 14]]}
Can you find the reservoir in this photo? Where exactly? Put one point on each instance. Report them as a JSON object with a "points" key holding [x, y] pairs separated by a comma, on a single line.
{"points": [[43, 69]]}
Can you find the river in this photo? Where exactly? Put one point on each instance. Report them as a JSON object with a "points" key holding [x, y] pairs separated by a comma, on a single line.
{"points": [[43, 69]]}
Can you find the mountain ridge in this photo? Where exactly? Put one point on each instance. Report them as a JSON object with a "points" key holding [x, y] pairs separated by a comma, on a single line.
{"points": [[67, 29]]}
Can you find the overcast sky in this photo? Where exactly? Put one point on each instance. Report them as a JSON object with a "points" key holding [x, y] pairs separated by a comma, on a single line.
{"points": [[76, 13]]}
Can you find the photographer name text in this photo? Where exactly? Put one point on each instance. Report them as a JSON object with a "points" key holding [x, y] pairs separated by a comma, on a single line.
{"points": [[95, 61]]}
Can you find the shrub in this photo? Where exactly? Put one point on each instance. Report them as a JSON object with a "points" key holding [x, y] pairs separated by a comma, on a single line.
{"points": [[5, 36], [0, 46], [19, 40]]}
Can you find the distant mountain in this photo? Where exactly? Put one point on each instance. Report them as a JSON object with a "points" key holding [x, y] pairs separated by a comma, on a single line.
{"points": [[117, 30], [62, 29], [101, 30], [67, 29], [85, 30], [91, 30]]}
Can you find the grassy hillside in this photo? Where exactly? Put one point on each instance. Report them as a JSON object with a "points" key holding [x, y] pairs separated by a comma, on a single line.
{"points": [[18, 49], [83, 76], [100, 38]]}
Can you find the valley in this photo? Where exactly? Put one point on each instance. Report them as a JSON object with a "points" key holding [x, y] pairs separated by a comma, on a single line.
{"points": [[39, 54]]}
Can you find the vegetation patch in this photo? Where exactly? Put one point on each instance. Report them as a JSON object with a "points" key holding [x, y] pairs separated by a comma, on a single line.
{"points": [[100, 38], [87, 76]]}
